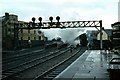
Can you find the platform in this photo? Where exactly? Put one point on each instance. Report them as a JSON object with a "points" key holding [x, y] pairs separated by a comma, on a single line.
{"points": [[91, 65]]}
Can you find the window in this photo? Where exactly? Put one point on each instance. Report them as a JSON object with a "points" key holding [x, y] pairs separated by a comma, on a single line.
{"points": [[28, 38], [39, 37], [14, 19], [21, 30], [34, 31], [9, 30], [34, 38], [39, 32], [21, 38], [28, 31], [12, 30]]}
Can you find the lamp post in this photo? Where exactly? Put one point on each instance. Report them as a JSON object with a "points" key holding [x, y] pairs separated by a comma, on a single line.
{"points": [[58, 23], [58, 18], [33, 19], [51, 19], [40, 21]]}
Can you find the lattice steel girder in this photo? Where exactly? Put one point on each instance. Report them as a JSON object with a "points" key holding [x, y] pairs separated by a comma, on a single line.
{"points": [[65, 24], [75, 24]]}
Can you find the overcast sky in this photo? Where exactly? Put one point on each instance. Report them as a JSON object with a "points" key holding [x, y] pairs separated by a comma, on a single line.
{"points": [[106, 10]]}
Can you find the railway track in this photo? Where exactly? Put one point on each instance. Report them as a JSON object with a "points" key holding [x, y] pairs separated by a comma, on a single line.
{"points": [[15, 62], [14, 53], [11, 73], [19, 56], [11, 63], [32, 60], [51, 73]]}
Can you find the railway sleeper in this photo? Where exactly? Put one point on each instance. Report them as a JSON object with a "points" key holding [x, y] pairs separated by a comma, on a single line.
{"points": [[4, 76], [59, 70], [55, 73], [49, 78], [9, 73], [52, 75], [16, 70], [13, 71]]}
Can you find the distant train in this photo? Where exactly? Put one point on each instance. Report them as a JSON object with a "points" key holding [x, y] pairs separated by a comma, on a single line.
{"points": [[83, 40], [56, 44], [60, 44]]}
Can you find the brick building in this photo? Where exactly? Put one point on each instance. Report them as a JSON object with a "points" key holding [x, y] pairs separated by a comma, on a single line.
{"points": [[15, 37]]}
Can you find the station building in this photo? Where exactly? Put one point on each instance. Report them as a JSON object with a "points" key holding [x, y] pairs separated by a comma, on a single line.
{"points": [[116, 34]]}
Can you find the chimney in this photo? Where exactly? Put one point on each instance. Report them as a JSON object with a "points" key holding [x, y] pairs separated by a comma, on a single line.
{"points": [[6, 16]]}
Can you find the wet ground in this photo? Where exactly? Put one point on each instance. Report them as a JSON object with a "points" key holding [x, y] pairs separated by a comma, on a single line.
{"points": [[92, 65]]}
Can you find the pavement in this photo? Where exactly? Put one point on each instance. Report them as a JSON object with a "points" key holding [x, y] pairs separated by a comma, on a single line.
{"points": [[91, 65]]}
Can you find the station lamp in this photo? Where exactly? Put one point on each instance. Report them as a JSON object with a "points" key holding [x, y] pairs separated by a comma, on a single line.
{"points": [[57, 18], [51, 19], [33, 19], [40, 19], [58, 23]]}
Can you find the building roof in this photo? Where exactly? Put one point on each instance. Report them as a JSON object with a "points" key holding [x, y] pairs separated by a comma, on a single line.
{"points": [[116, 23]]}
